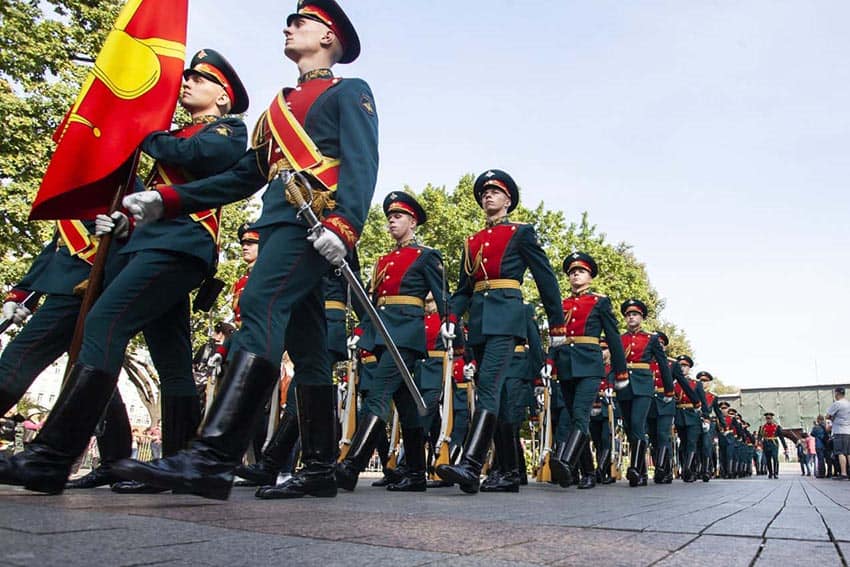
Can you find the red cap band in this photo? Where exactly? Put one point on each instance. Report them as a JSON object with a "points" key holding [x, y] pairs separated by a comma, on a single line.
{"points": [[206, 68]]}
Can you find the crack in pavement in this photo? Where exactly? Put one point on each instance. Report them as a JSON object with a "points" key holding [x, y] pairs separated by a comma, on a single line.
{"points": [[828, 530], [767, 527]]}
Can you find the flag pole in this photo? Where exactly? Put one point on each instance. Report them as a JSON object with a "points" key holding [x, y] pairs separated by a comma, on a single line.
{"points": [[95, 280]]}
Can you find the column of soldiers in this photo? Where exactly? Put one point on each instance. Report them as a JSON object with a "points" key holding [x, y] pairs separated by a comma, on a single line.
{"points": [[316, 149]]}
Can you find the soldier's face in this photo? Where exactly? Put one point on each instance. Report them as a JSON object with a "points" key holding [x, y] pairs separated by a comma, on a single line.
{"points": [[579, 277], [686, 368], [249, 251], [400, 225], [199, 93], [494, 201], [303, 37], [634, 320]]}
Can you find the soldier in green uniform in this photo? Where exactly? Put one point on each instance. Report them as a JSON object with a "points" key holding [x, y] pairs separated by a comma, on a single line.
{"points": [[494, 262], [326, 129], [712, 417], [167, 260], [580, 365], [635, 393], [60, 272], [517, 389], [689, 418], [401, 281], [771, 435]]}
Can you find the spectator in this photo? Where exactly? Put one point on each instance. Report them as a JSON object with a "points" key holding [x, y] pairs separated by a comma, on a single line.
{"points": [[828, 455], [811, 452], [819, 433], [839, 413], [802, 456], [155, 435]]}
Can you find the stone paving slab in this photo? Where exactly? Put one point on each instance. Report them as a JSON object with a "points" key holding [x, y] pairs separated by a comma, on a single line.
{"points": [[749, 521]]}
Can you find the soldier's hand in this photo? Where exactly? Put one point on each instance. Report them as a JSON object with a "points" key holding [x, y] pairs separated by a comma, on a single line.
{"points": [[667, 399], [609, 393], [329, 246], [557, 340], [595, 411], [469, 371], [117, 223], [620, 384], [215, 360], [539, 391], [352, 341], [145, 206], [706, 425], [546, 371], [447, 333], [15, 312]]}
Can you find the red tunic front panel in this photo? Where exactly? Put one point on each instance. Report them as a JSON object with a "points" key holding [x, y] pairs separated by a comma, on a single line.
{"points": [[390, 270], [634, 345], [576, 312], [432, 330], [486, 250]]}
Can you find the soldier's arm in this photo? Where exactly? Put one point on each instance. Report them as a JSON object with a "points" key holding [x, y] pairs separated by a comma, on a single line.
{"points": [[358, 147], [700, 391], [544, 277], [211, 150], [38, 265], [436, 280], [612, 335], [658, 354], [716, 407], [535, 345], [685, 385], [781, 435]]}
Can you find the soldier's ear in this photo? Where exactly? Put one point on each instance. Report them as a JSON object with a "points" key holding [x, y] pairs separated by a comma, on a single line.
{"points": [[223, 102]]}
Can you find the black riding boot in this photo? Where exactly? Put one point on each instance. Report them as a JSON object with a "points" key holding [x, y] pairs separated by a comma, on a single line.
{"points": [[414, 479], [206, 467], [523, 467], [46, 462], [113, 443], [494, 473], [637, 466], [688, 467], [359, 452], [604, 470], [181, 416], [565, 464], [506, 448], [588, 474], [660, 472], [706, 468], [467, 473], [264, 472], [319, 447]]}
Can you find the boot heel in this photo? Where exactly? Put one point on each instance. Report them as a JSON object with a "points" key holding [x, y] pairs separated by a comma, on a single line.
{"points": [[46, 485], [327, 492], [221, 492]]}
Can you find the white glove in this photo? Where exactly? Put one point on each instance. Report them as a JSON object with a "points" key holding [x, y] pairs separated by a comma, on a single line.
{"points": [[595, 411], [215, 360], [556, 341], [469, 370], [667, 399], [546, 371], [706, 425], [609, 393], [539, 391], [447, 333], [620, 384], [145, 206], [352, 341], [15, 312], [117, 223], [329, 246]]}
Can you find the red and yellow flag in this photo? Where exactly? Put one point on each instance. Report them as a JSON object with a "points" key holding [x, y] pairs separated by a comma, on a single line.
{"points": [[130, 92]]}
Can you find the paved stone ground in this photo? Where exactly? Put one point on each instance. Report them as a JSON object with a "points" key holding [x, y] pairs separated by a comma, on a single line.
{"points": [[742, 522]]}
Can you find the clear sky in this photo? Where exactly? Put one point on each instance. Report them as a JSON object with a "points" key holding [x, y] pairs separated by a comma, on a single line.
{"points": [[710, 135]]}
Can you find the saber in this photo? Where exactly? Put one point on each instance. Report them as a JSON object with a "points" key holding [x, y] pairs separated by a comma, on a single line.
{"points": [[306, 213]]}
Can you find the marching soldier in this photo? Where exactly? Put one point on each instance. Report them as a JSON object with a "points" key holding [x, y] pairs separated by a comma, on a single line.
{"points": [[661, 416], [706, 440], [401, 281], [494, 262], [771, 435], [327, 130], [61, 273], [579, 361], [151, 293], [688, 417], [635, 393]]}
